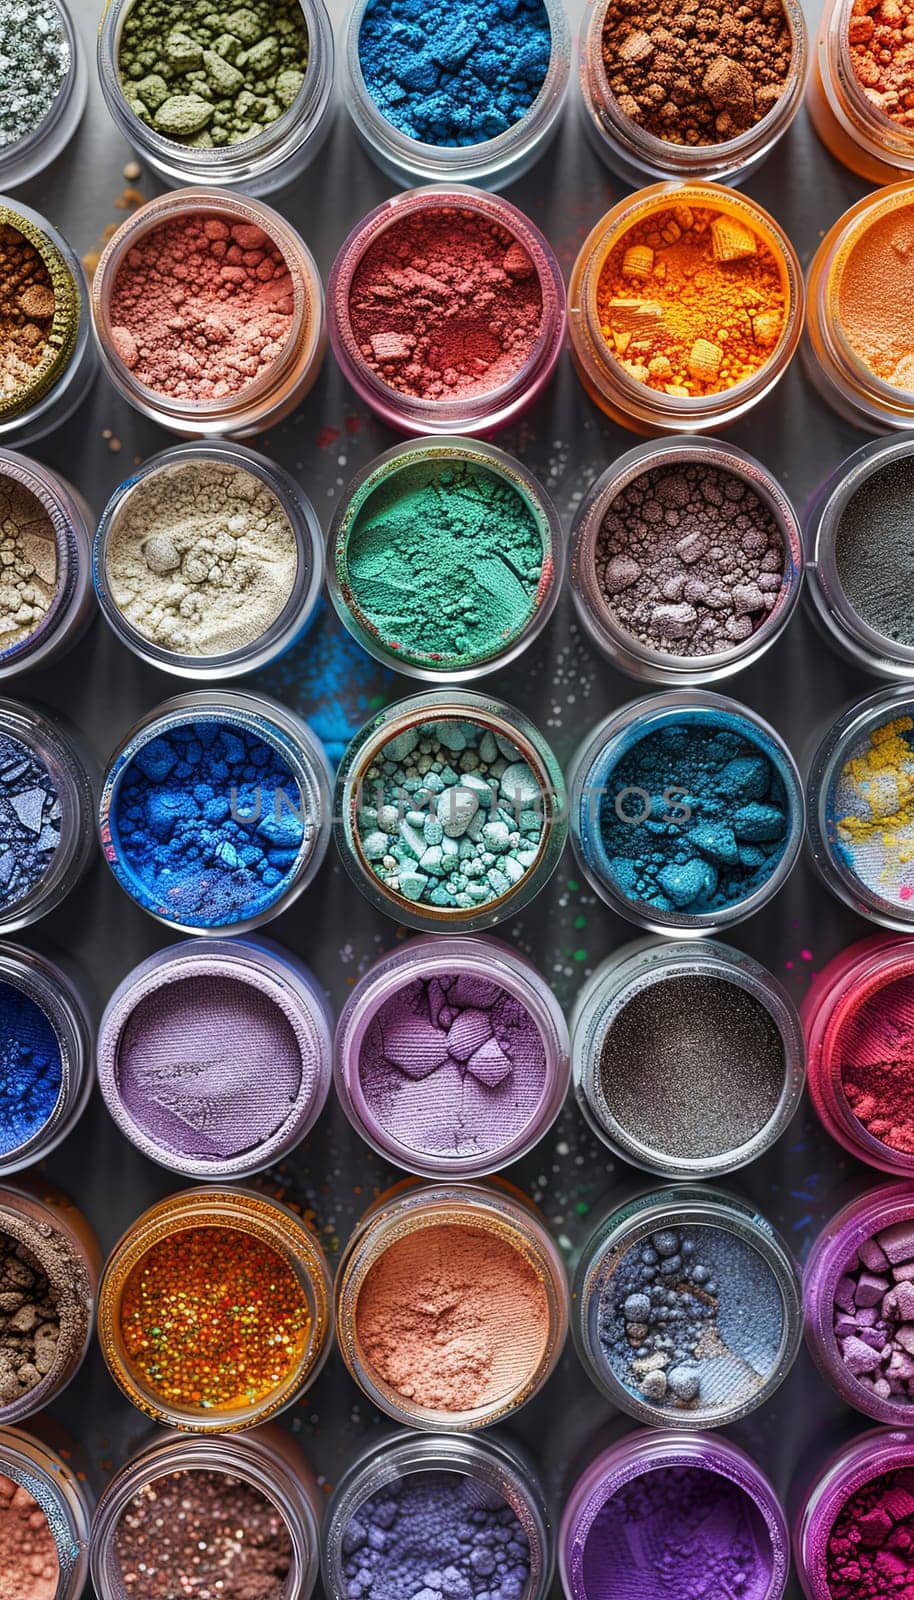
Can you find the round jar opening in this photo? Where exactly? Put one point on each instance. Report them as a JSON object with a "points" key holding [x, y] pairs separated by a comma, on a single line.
{"points": [[878, 52], [35, 1064], [28, 1546], [869, 552], [37, 553], [871, 1287], [40, 309], [39, 51], [47, 1311], [36, 812], [868, 1051], [869, 294], [866, 809], [882, 1503]]}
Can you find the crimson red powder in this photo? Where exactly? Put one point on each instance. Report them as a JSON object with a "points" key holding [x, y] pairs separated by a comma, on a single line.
{"points": [[870, 1551], [445, 303], [201, 306], [874, 1049]]}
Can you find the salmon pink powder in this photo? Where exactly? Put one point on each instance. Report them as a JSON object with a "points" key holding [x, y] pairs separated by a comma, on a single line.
{"points": [[201, 306]]}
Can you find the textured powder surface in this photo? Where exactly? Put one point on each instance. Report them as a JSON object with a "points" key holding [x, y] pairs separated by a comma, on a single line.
{"points": [[696, 74], [691, 301], [29, 1565], [454, 73], [881, 40], [874, 1051], [445, 303], [689, 560], [453, 1317], [28, 563], [201, 1535], [34, 61], [453, 1065], [201, 558], [870, 1550], [30, 1321], [29, 821], [27, 307], [692, 1067], [874, 294], [870, 818], [31, 1070], [677, 1533], [874, 551], [201, 307], [435, 1532], [445, 562], [874, 1314]]}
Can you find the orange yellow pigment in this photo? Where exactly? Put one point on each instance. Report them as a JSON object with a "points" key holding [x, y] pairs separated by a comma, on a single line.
{"points": [[881, 41]]}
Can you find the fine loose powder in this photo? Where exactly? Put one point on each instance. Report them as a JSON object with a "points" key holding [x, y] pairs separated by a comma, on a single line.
{"points": [[874, 293], [29, 821], [31, 1068], [691, 301], [29, 1563], [881, 46], [689, 560], [202, 1535], [34, 62], [873, 1051], [870, 1548], [453, 1317], [874, 1314], [871, 812], [874, 550], [445, 304], [28, 563], [201, 558]]}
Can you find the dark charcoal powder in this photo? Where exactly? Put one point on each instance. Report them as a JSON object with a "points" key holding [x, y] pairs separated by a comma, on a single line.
{"points": [[874, 551]]}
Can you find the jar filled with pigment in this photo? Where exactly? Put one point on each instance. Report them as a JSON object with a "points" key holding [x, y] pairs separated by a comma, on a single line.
{"points": [[688, 1057], [215, 811], [45, 589], [465, 93], [451, 1304], [235, 1517], [445, 559], [661, 1503], [859, 350], [219, 1365], [47, 803], [451, 1056], [240, 98], [686, 561], [45, 87], [662, 99], [474, 332], [170, 1069], [46, 1056], [449, 811], [411, 1506], [45, 1512], [250, 337], [47, 357], [686, 812], [208, 561], [685, 308], [859, 96], [687, 1308], [865, 1484]]}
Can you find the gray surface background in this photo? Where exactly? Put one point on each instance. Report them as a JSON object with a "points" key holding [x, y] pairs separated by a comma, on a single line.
{"points": [[562, 684]]}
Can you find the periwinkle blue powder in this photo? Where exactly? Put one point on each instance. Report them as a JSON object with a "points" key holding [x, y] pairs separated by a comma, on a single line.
{"points": [[31, 1070], [29, 821]]}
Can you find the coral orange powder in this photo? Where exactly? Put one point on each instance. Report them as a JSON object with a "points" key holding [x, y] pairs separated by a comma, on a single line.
{"points": [[881, 40], [875, 292]]}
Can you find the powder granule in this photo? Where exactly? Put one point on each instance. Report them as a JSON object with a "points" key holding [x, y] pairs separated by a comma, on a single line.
{"points": [[34, 62], [875, 293], [881, 44], [27, 306], [28, 563], [29, 1564]]}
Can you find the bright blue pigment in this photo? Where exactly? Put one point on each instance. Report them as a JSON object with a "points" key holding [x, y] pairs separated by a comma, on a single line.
{"points": [[709, 817], [454, 72], [331, 681], [31, 1070], [207, 824]]}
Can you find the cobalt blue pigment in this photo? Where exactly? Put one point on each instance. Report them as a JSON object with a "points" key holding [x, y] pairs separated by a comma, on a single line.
{"points": [[31, 1070], [29, 821], [454, 72]]}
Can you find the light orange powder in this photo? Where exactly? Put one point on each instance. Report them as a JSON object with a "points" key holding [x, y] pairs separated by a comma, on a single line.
{"points": [[453, 1318], [875, 295]]}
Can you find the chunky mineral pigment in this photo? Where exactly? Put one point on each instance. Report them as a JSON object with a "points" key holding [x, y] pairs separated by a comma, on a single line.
{"points": [[691, 81], [39, 313], [435, 1532], [197, 1348], [201, 307], [29, 821], [445, 304], [34, 63], [873, 295], [450, 815], [453, 1317], [874, 551], [454, 74], [870, 812], [689, 560], [29, 1564], [874, 1314], [452, 1066], [692, 1319], [870, 1549], [201, 558], [28, 563], [881, 48], [30, 1321], [31, 1068], [445, 563], [208, 77], [873, 1051], [692, 301], [202, 1535]]}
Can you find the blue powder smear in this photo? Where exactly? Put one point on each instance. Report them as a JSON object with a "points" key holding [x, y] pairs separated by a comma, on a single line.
{"points": [[331, 681], [31, 1070], [454, 72]]}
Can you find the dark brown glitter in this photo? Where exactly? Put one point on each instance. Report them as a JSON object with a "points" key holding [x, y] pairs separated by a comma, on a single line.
{"points": [[200, 1535]]}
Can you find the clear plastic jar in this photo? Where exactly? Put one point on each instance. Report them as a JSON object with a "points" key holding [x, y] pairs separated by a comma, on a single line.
{"points": [[634, 973], [753, 1300], [69, 608], [534, 794], [52, 991], [61, 380], [492, 164], [635, 1458], [194, 909], [489, 1466], [468, 1125], [593, 607], [273, 159], [639, 156], [869, 1456], [611, 386], [298, 610], [591, 777], [61, 1494], [849, 123], [267, 1460], [66, 819], [522, 1335], [193, 1002], [26, 157], [480, 412], [229, 1210], [264, 401], [371, 493]]}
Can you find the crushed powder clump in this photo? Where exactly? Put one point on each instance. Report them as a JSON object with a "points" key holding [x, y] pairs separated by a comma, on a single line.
{"points": [[28, 563]]}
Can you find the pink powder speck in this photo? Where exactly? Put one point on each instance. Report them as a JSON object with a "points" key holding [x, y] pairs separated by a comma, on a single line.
{"points": [[905, 892]]}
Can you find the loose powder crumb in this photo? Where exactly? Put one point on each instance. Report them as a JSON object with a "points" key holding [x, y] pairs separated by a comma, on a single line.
{"points": [[874, 296], [881, 40], [874, 1051], [201, 1535], [28, 563], [872, 1536], [34, 61], [874, 1313], [27, 307], [29, 1564], [874, 551], [29, 1321]]}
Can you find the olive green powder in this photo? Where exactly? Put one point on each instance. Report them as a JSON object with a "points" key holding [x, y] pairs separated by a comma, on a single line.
{"points": [[205, 77]]}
